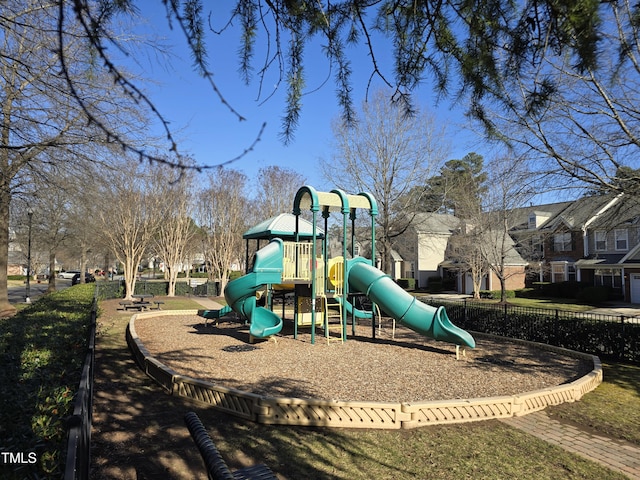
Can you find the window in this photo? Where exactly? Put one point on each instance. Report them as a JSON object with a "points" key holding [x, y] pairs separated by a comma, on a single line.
{"points": [[536, 246], [557, 273], [532, 221], [571, 273], [562, 242], [622, 239], [608, 277], [600, 240]]}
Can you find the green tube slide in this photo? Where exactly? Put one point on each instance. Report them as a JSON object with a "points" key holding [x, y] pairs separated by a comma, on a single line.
{"points": [[404, 307], [240, 293], [214, 314]]}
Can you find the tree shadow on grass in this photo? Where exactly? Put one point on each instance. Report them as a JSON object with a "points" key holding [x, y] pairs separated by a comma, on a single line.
{"points": [[624, 375], [139, 431]]}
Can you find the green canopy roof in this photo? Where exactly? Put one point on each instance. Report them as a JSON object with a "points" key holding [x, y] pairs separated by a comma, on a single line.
{"points": [[283, 226]]}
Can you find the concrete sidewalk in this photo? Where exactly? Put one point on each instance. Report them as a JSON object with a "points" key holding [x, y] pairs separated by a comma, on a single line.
{"points": [[207, 303]]}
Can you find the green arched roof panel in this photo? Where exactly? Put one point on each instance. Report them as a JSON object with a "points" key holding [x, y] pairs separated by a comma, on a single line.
{"points": [[344, 200], [373, 205], [306, 198]]}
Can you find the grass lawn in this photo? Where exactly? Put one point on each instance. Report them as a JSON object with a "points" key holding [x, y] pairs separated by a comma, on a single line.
{"points": [[567, 304], [551, 303], [613, 408], [180, 303], [42, 349], [487, 449]]}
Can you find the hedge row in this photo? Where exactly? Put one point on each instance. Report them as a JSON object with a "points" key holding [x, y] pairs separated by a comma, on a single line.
{"points": [[606, 336], [41, 352]]}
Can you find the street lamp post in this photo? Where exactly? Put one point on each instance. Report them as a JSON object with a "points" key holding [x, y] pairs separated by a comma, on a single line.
{"points": [[27, 298]]}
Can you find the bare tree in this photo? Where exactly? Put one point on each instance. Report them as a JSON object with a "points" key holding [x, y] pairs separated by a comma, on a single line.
{"points": [[129, 219], [509, 187], [483, 244], [41, 123], [82, 207], [176, 230], [464, 249], [51, 209], [579, 126], [222, 213], [277, 188], [25, 217], [389, 155]]}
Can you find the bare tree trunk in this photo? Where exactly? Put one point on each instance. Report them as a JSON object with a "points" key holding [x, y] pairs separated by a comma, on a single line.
{"points": [[503, 290], [173, 277], [52, 272], [6, 309], [83, 264], [130, 273]]}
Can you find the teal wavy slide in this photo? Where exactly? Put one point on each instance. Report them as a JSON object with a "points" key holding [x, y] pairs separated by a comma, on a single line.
{"points": [[214, 314], [404, 307], [351, 310], [240, 293]]}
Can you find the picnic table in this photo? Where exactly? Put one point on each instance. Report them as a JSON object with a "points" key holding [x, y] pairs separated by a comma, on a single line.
{"points": [[141, 302]]}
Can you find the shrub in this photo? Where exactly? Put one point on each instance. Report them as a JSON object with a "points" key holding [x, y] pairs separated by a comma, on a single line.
{"points": [[594, 295], [156, 288], [183, 289], [434, 284], [109, 289], [569, 289], [42, 350], [527, 293], [449, 283], [193, 275], [495, 294], [407, 283], [235, 274]]}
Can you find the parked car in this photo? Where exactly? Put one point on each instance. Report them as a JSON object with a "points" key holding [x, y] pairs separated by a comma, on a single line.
{"points": [[68, 274], [87, 278]]}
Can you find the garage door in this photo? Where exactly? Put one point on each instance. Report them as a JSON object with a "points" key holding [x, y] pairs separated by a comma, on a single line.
{"points": [[635, 288]]}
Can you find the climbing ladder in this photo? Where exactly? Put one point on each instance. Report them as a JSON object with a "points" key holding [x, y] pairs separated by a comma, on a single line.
{"points": [[332, 307], [334, 332]]}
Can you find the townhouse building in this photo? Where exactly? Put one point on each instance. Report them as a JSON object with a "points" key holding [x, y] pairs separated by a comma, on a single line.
{"points": [[594, 240]]}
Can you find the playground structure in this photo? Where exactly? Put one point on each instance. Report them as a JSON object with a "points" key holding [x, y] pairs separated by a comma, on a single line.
{"points": [[325, 288]]}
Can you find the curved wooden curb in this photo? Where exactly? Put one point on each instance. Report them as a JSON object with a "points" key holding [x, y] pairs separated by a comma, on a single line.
{"points": [[329, 413]]}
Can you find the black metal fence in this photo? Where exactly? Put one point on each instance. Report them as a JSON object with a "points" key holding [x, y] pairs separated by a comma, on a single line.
{"points": [[615, 337], [78, 461]]}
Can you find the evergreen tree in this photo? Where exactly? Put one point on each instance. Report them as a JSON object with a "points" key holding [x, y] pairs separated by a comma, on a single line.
{"points": [[459, 187]]}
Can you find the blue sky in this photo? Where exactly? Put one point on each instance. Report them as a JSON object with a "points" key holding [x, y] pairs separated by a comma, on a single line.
{"points": [[207, 129]]}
